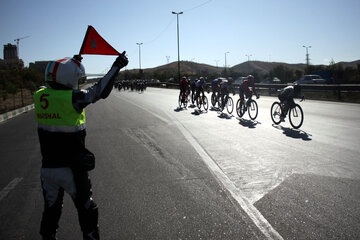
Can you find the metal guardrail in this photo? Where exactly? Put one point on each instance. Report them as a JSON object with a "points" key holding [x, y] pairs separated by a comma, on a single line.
{"points": [[333, 91], [314, 87]]}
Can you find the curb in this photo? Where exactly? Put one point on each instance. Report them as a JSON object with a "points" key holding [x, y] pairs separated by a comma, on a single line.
{"points": [[14, 113]]}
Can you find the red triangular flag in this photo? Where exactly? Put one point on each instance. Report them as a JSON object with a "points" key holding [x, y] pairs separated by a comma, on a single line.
{"points": [[94, 44]]}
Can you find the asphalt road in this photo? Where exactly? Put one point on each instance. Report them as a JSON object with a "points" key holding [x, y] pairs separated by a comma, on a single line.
{"points": [[166, 173]]}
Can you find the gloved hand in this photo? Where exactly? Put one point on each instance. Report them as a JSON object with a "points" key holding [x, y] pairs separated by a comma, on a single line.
{"points": [[121, 61]]}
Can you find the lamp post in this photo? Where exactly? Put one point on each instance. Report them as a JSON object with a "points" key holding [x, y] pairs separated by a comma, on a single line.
{"points": [[248, 56], [307, 55], [139, 56], [177, 17], [225, 62]]}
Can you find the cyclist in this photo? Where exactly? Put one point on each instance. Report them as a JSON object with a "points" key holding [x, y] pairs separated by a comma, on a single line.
{"points": [[199, 87], [215, 85], [193, 87], [226, 86], [184, 87], [286, 97], [247, 87]]}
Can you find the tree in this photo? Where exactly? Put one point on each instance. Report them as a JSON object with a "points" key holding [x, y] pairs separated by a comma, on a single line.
{"points": [[283, 73]]}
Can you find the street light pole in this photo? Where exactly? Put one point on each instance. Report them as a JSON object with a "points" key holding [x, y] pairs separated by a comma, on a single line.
{"points": [[248, 56], [177, 17], [139, 55], [225, 62], [307, 55]]}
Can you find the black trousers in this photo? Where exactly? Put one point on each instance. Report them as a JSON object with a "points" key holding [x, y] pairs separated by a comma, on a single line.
{"points": [[78, 185]]}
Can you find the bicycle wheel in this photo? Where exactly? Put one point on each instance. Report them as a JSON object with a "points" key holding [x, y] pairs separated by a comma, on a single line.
{"points": [[198, 102], [296, 116], [253, 109], [275, 112], [179, 101], [213, 99], [185, 103], [193, 98], [205, 103], [230, 105], [220, 103], [238, 108]]}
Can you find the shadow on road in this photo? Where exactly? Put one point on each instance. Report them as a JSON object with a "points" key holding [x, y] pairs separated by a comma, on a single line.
{"points": [[214, 109], [197, 112], [294, 133], [248, 123], [225, 115], [179, 109]]}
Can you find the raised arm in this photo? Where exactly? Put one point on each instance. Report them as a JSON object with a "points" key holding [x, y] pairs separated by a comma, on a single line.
{"points": [[102, 89]]}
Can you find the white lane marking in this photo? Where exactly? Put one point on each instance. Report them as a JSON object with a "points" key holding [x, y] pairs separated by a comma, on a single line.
{"points": [[143, 108], [9, 187], [254, 214]]}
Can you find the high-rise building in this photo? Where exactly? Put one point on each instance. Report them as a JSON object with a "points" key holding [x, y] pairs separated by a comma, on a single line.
{"points": [[10, 52]]}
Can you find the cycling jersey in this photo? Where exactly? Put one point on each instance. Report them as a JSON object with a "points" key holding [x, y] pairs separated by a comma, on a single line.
{"points": [[200, 84], [286, 92], [247, 88], [246, 84], [215, 83], [184, 83]]}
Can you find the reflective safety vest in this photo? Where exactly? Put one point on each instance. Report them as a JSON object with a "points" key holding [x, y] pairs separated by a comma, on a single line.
{"points": [[55, 112]]}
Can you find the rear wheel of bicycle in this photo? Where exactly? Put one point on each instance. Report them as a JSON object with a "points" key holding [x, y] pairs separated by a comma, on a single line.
{"points": [[205, 103], [253, 109], [213, 99], [237, 109], [220, 103], [240, 108], [296, 116], [198, 102], [275, 112], [230, 105], [193, 98]]}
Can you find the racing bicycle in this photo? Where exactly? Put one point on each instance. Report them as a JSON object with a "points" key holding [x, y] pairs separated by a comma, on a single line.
{"points": [[215, 98], [249, 105], [296, 114], [228, 102], [202, 101], [183, 99]]}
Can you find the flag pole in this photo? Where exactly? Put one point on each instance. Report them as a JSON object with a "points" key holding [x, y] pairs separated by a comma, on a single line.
{"points": [[86, 36]]}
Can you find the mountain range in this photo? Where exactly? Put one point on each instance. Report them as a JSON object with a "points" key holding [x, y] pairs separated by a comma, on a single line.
{"points": [[193, 68]]}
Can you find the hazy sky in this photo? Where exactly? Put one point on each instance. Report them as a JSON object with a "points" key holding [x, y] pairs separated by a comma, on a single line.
{"points": [[268, 30]]}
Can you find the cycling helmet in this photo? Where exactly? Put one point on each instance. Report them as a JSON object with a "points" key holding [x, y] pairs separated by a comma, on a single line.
{"points": [[250, 77], [202, 79], [66, 71]]}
